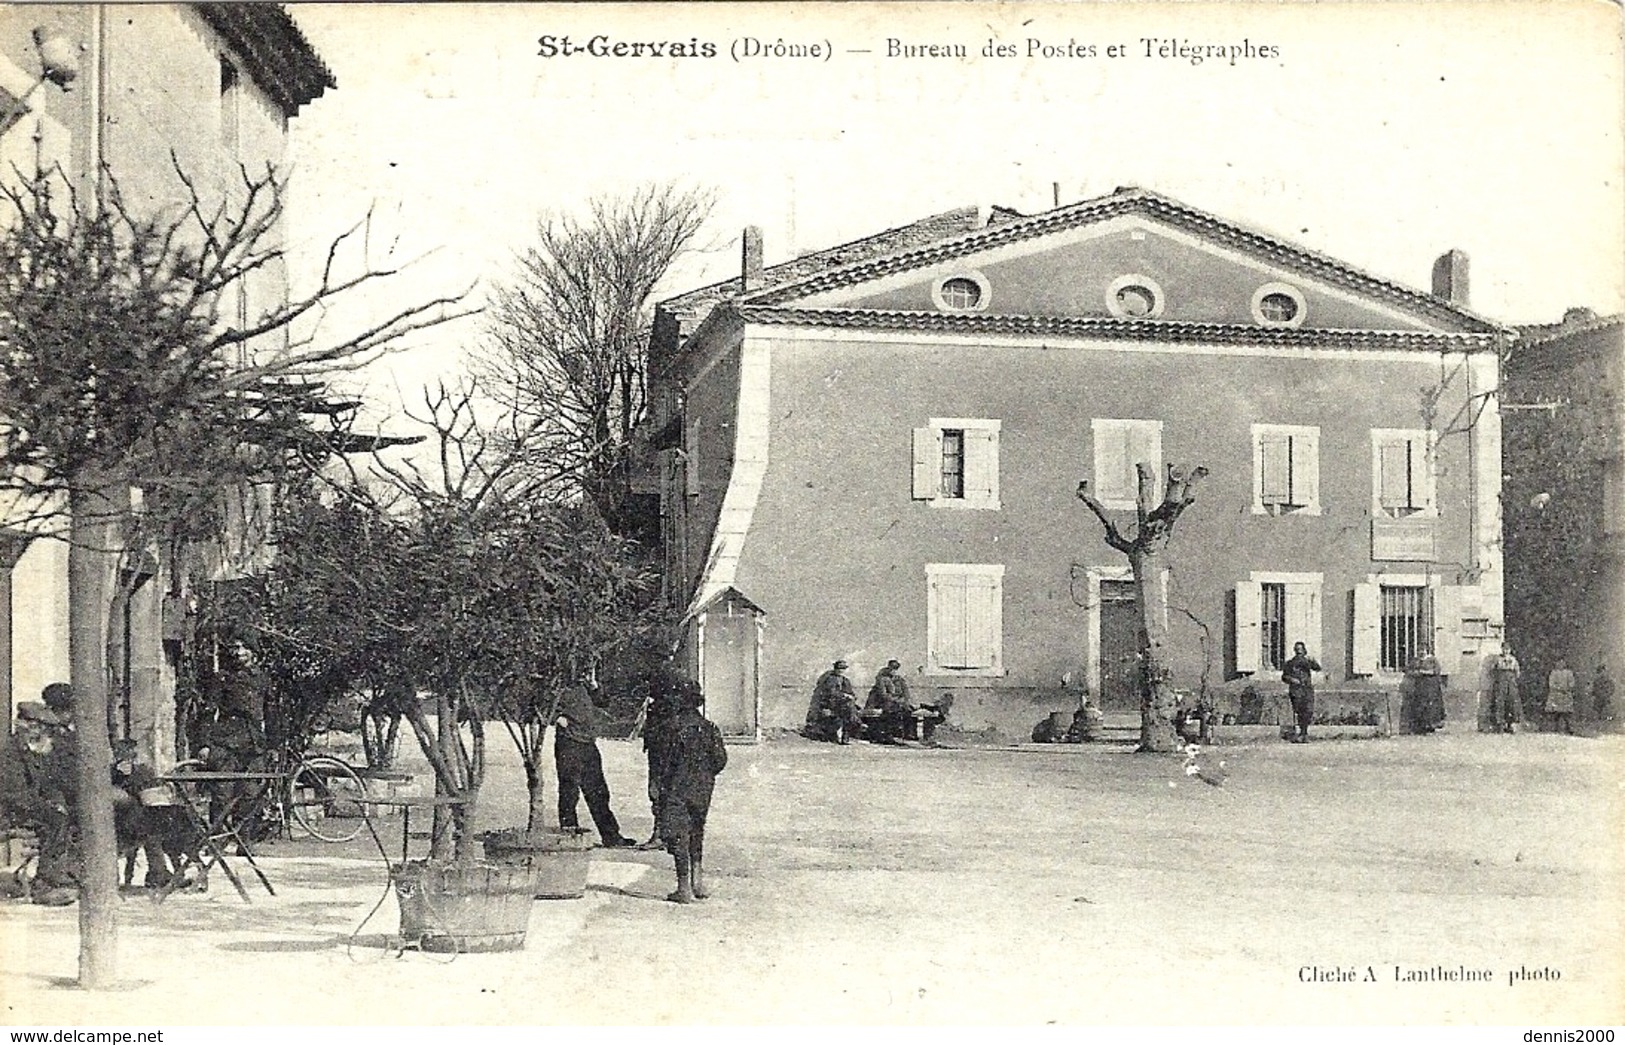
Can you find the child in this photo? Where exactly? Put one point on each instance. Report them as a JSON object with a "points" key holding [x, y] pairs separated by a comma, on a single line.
{"points": [[694, 756]]}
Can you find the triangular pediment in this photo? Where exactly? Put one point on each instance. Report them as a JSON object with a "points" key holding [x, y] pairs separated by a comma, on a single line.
{"points": [[1133, 255]]}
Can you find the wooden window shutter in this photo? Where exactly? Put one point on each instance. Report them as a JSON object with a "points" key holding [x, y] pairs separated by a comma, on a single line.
{"points": [[1111, 463], [1275, 469], [983, 620], [927, 463], [1447, 627], [948, 616], [1303, 617], [1144, 446], [1367, 625], [1249, 601], [1394, 484], [1306, 469], [982, 466]]}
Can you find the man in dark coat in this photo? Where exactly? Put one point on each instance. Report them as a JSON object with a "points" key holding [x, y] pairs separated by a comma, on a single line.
{"points": [[667, 693], [693, 758], [580, 767], [1298, 674], [887, 713], [834, 714]]}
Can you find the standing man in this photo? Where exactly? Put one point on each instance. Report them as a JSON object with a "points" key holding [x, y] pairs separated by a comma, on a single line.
{"points": [[1560, 697], [693, 757], [1506, 705], [667, 689], [1602, 695], [1298, 674], [580, 767]]}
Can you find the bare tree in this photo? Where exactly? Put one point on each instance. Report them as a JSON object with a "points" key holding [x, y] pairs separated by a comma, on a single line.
{"points": [[120, 369], [569, 335], [1154, 527]]}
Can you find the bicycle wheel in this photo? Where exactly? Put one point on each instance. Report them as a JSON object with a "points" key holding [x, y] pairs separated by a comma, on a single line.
{"points": [[323, 798]]}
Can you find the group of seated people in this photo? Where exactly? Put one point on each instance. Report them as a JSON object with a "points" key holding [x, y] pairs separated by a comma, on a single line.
{"points": [[888, 716]]}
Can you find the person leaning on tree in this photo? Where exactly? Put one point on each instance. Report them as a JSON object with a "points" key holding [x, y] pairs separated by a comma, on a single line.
{"points": [[1298, 674], [693, 757], [581, 767]]}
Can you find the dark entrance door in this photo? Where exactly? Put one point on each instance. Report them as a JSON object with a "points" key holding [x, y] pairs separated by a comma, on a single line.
{"points": [[1119, 647]]}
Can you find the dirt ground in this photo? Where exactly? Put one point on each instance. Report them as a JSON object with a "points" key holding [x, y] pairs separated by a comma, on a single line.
{"points": [[1081, 885]]}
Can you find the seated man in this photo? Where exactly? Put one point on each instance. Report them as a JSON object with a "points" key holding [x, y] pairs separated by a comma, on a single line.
{"points": [[834, 711], [887, 714]]}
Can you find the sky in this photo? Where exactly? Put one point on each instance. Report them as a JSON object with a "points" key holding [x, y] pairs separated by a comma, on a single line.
{"points": [[1380, 133]]}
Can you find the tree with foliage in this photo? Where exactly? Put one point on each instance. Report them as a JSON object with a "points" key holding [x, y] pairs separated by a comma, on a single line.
{"points": [[1154, 526], [569, 335], [506, 596], [122, 368]]}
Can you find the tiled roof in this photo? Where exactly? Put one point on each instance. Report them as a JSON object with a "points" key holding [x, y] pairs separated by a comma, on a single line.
{"points": [[839, 273], [926, 230], [1575, 323], [1090, 326], [278, 57]]}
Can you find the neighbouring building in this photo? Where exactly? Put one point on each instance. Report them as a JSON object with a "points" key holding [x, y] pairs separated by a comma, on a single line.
{"points": [[1564, 462], [872, 452], [207, 89]]}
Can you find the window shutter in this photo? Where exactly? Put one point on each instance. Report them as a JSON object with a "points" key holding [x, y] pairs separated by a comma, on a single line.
{"points": [[1111, 450], [1367, 622], [983, 621], [927, 463], [1274, 469], [691, 460], [1145, 445], [1447, 627], [1394, 488], [982, 466], [1303, 618], [948, 605], [1249, 596], [1421, 474], [1306, 469]]}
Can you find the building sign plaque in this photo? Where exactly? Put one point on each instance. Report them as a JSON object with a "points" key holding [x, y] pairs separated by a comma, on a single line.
{"points": [[1402, 540]]}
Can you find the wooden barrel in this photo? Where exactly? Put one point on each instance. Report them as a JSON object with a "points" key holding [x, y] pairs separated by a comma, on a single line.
{"points": [[463, 908]]}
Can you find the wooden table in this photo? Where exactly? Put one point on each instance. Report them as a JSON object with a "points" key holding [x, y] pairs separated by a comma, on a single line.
{"points": [[224, 827], [407, 803]]}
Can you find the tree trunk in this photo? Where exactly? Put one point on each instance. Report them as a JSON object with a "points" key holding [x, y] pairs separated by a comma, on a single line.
{"points": [[91, 557], [1157, 731], [442, 841]]}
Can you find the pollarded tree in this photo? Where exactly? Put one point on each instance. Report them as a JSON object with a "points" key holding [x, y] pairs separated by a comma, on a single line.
{"points": [[1154, 526], [125, 365]]}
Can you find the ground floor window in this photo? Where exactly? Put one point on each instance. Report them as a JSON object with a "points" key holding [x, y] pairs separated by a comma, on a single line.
{"points": [[1405, 626], [965, 618]]}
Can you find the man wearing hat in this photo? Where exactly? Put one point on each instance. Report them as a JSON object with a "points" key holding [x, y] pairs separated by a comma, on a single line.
{"points": [[888, 711], [834, 714], [47, 753]]}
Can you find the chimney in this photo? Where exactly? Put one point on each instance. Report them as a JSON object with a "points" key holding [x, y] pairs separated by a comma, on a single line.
{"points": [[1450, 277], [750, 261]]}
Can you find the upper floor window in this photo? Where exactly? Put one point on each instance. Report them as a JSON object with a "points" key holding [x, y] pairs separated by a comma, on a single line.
{"points": [[1402, 472], [1286, 469], [1279, 305], [1120, 444], [961, 292], [1134, 297], [956, 462]]}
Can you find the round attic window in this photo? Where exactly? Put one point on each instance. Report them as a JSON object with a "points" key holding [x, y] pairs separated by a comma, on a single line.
{"points": [[1278, 305], [1134, 297], [964, 292]]}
